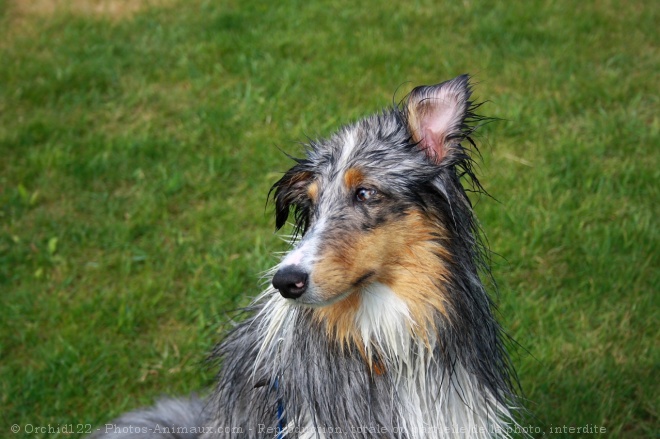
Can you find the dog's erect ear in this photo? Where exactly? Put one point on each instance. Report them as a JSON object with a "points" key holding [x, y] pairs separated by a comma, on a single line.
{"points": [[436, 116]]}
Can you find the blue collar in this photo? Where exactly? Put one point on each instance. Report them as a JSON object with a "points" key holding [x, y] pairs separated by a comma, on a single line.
{"points": [[281, 418]]}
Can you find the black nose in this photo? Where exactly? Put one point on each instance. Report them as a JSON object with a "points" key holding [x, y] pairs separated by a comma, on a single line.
{"points": [[290, 281]]}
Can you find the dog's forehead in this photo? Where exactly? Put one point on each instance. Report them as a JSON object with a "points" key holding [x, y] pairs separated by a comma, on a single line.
{"points": [[378, 146]]}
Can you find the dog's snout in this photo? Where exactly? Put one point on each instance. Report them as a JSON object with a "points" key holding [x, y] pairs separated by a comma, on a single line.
{"points": [[291, 281]]}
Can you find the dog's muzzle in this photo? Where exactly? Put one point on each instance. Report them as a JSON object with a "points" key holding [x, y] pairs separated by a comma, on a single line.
{"points": [[291, 281]]}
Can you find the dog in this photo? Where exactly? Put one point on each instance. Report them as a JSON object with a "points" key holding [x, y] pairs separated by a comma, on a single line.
{"points": [[377, 323]]}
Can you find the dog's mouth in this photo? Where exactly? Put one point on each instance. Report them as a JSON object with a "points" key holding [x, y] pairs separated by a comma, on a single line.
{"points": [[316, 297], [364, 279], [313, 301]]}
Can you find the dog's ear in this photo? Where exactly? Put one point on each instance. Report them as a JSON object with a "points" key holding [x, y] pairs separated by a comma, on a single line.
{"points": [[436, 116], [291, 192]]}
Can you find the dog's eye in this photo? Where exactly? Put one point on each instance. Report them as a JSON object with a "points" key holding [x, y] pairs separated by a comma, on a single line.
{"points": [[363, 194]]}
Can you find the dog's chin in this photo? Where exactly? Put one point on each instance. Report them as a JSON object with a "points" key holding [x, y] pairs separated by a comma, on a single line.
{"points": [[311, 299]]}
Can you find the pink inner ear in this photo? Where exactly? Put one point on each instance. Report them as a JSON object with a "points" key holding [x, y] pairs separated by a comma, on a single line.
{"points": [[432, 145], [434, 127], [436, 114]]}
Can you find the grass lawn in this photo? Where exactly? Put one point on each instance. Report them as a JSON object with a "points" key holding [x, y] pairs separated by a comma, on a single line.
{"points": [[138, 141]]}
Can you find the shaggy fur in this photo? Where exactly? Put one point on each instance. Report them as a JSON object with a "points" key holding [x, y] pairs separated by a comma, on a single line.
{"points": [[377, 324]]}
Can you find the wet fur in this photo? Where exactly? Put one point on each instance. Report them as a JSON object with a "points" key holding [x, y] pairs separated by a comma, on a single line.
{"points": [[394, 335]]}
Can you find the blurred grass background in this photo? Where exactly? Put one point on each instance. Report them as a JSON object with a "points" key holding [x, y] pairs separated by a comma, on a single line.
{"points": [[138, 141]]}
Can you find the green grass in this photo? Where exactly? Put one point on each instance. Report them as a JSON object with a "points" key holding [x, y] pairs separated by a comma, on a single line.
{"points": [[137, 148]]}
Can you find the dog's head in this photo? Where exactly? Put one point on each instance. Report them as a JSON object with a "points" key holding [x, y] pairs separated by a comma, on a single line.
{"points": [[372, 205]]}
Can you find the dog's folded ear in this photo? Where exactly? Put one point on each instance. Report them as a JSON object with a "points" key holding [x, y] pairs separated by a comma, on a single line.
{"points": [[291, 193], [436, 116]]}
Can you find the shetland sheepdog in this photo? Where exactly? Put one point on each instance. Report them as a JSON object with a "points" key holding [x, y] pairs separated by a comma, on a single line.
{"points": [[376, 323]]}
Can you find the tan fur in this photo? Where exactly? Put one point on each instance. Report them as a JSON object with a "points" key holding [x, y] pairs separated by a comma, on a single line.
{"points": [[353, 178], [414, 122], [313, 191], [402, 255]]}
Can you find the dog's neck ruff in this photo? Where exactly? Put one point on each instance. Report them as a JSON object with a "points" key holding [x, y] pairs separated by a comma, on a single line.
{"points": [[429, 397]]}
